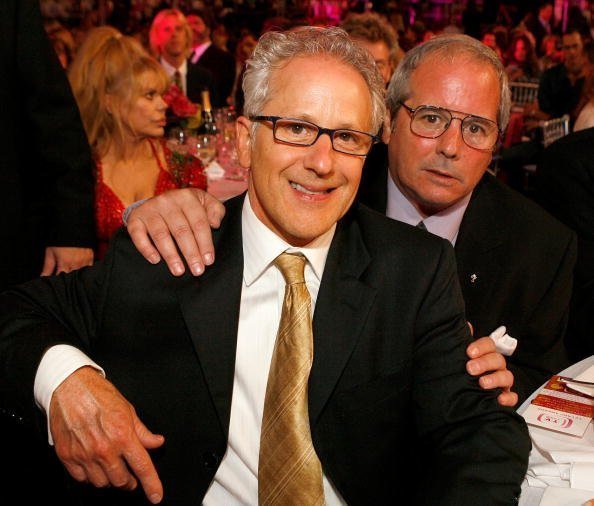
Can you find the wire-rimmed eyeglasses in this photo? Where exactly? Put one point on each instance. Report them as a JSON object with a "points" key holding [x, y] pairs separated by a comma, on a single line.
{"points": [[430, 121], [297, 132]]}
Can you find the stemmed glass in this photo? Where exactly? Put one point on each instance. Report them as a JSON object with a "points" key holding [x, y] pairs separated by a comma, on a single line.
{"points": [[204, 148]]}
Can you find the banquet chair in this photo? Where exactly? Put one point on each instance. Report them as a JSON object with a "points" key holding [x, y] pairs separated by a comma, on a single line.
{"points": [[550, 131], [522, 94]]}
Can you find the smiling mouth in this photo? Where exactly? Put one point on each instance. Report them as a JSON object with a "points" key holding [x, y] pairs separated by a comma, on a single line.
{"points": [[307, 191]]}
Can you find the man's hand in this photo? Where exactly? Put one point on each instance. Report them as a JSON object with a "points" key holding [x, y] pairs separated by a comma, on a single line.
{"points": [[65, 259], [98, 436], [485, 359], [184, 217]]}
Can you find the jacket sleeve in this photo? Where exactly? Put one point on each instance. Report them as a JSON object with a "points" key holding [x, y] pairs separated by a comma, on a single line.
{"points": [[473, 451]]}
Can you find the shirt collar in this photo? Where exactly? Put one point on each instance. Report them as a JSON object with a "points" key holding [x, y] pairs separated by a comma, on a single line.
{"points": [[199, 50], [261, 246], [170, 69], [445, 224]]}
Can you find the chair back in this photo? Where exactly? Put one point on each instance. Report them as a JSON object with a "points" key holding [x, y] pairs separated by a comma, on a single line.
{"points": [[522, 94], [554, 129]]}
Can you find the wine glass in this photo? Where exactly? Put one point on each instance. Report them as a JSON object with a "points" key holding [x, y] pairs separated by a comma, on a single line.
{"points": [[205, 148]]}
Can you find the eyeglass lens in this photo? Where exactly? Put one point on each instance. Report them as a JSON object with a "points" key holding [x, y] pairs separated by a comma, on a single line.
{"points": [[433, 121], [305, 134]]}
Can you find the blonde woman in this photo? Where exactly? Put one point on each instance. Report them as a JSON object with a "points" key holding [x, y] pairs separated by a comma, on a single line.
{"points": [[119, 89]]}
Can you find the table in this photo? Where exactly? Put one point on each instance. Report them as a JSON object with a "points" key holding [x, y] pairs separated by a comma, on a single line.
{"points": [[531, 496]]}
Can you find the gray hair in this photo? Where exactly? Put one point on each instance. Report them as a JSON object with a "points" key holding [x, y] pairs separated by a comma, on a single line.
{"points": [[450, 47], [276, 49]]}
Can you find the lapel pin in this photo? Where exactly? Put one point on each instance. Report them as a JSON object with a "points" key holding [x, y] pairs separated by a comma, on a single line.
{"points": [[473, 278]]}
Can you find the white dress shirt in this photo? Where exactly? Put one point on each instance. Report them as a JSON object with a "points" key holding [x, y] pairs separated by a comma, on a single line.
{"points": [[445, 224], [183, 70], [236, 480]]}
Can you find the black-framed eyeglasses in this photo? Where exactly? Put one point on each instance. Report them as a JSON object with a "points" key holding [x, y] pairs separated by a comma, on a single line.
{"points": [[297, 132], [430, 121]]}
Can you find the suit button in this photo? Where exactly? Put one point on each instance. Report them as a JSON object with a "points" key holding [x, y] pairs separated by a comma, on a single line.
{"points": [[210, 459]]}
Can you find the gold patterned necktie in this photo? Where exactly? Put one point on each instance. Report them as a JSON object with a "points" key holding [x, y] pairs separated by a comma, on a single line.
{"points": [[289, 471]]}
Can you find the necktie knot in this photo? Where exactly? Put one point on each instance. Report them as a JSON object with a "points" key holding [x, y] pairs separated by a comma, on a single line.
{"points": [[421, 225], [292, 267]]}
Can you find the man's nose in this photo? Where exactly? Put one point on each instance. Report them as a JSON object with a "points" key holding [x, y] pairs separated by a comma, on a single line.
{"points": [[320, 155], [450, 142]]}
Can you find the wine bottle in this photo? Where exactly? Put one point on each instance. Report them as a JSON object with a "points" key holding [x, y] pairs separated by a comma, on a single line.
{"points": [[209, 125]]}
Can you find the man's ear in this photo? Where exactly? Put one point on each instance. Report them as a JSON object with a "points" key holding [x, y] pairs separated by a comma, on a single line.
{"points": [[243, 130]]}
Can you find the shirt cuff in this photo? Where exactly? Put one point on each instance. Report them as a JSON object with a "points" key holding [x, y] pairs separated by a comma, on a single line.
{"points": [[57, 364], [130, 208]]}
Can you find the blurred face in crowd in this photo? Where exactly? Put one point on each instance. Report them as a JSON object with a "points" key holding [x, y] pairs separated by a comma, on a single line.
{"points": [[380, 52], [573, 52], [172, 36], [145, 116], [489, 40], [546, 12], [436, 173], [246, 47], [199, 29], [520, 51], [299, 192]]}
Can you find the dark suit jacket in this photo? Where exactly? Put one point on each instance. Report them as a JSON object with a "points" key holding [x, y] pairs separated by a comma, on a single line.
{"points": [[199, 78], [46, 183], [523, 261], [565, 187], [222, 65], [46, 199], [381, 394]]}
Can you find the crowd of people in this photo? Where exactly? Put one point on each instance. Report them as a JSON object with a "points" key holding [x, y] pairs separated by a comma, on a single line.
{"points": [[150, 384]]}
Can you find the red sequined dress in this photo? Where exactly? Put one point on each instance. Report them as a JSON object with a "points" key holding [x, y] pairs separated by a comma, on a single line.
{"points": [[184, 171]]}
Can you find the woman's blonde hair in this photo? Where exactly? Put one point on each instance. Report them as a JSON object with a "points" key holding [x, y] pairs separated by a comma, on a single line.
{"points": [[110, 64]]}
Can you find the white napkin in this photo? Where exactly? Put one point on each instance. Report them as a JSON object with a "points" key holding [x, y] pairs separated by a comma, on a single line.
{"points": [[554, 496], [582, 476], [214, 170]]}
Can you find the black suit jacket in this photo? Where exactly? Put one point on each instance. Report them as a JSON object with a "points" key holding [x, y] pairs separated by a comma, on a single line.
{"points": [[565, 187], [381, 395], [222, 65], [46, 183], [199, 78], [521, 260]]}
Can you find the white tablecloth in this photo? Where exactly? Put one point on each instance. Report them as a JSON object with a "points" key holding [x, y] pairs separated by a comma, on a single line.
{"points": [[557, 492]]}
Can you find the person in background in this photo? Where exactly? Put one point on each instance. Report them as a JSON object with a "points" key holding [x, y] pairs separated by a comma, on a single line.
{"points": [[118, 87], [551, 53], [219, 62], [373, 32], [244, 49], [540, 25], [585, 107], [46, 185], [490, 41], [521, 62], [170, 39], [560, 87], [259, 400]]}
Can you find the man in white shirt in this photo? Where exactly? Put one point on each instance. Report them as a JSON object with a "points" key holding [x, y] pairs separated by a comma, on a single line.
{"points": [[171, 41], [190, 358]]}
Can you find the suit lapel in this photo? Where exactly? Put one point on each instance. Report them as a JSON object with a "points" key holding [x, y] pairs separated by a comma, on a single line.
{"points": [[341, 310], [478, 248], [210, 308]]}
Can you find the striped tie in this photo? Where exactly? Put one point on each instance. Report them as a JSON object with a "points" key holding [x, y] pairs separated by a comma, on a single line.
{"points": [[289, 471]]}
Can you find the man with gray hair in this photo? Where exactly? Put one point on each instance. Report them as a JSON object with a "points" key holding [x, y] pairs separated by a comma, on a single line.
{"points": [[449, 102], [257, 402]]}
